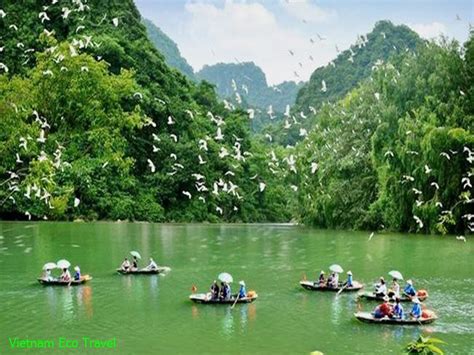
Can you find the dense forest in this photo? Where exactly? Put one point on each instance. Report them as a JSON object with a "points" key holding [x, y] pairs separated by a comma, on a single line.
{"points": [[96, 125]]}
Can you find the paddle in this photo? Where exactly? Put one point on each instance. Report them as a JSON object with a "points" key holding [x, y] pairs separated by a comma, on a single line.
{"points": [[342, 289], [235, 302]]}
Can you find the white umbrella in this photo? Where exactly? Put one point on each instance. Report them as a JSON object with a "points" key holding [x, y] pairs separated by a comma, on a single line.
{"points": [[225, 277], [336, 268], [136, 254], [396, 274], [49, 266], [63, 264]]}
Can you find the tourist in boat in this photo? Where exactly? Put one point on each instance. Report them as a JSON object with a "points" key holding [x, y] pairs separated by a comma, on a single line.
{"points": [[135, 263], [409, 290], [398, 309], [394, 289], [335, 280], [225, 291], [349, 282], [214, 290], [77, 273], [66, 275], [242, 291], [383, 310], [125, 265], [416, 310], [330, 280], [152, 265], [322, 279], [47, 275], [381, 288]]}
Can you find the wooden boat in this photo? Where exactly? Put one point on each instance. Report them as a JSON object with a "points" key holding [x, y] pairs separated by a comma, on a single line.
{"points": [[57, 282], [367, 317], [205, 298], [371, 296], [314, 286], [159, 270]]}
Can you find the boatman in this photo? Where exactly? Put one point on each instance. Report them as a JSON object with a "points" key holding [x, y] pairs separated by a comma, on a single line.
{"points": [[416, 310], [242, 290], [349, 283], [77, 274], [135, 263], [409, 290], [152, 265]]}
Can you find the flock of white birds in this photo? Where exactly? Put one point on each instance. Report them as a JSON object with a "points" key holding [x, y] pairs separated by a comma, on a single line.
{"points": [[286, 165]]}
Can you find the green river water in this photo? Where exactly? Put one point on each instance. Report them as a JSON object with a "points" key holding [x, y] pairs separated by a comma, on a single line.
{"points": [[152, 314]]}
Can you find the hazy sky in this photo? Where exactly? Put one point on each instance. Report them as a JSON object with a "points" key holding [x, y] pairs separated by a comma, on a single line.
{"points": [[263, 31]]}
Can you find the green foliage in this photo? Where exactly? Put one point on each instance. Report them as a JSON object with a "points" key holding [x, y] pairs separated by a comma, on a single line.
{"points": [[424, 345]]}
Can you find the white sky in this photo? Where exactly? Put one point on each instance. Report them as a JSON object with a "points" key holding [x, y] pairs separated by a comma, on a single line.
{"points": [[212, 31]]}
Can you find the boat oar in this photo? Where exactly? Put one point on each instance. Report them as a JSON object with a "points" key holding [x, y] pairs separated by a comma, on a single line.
{"points": [[235, 302], [342, 289]]}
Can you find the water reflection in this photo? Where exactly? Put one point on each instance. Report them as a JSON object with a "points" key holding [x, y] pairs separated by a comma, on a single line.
{"points": [[84, 299]]}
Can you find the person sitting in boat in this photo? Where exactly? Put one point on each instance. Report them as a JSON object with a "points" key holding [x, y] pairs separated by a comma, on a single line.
{"points": [[135, 263], [398, 309], [242, 291], [349, 282], [152, 265], [66, 275], [383, 310], [394, 291], [330, 281], [322, 279], [77, 273], [381, 288], [125, 265], [409, 290], [225, 291], [335, 280], [47, 275], [214, 290], [416, 310]]}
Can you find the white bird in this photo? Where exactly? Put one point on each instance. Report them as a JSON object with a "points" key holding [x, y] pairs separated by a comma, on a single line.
{"points": [[28, 214], [151, 165], [323, 86], [41, 138], [261, 186], [76, 202], [174, 137], [190, 113], [218, 209], [377, 96], [446, 155], [138, 95], [201, 160], [371, 236], [219, 136], [28, 192], [202, 144], [251, 113], [416, 191], [115, 21], [428, 169], [155, 149], [4, 67], [187, 193], [170, 120], [314, 167], [2, 13], [43, 16], [268, 136], [65, 12], [18, 160], [418, 221], [461, 238], [439, 204], [435, 185], [173, 155], [202, 198], [466, 183], [388, 152], [303, 132]]}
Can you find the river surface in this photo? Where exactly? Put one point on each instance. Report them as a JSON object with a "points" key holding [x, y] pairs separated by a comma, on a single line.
{"points": [[152, 314]]}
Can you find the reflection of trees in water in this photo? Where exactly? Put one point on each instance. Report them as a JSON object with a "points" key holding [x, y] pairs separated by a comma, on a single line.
{"points": [[84, 299]]}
